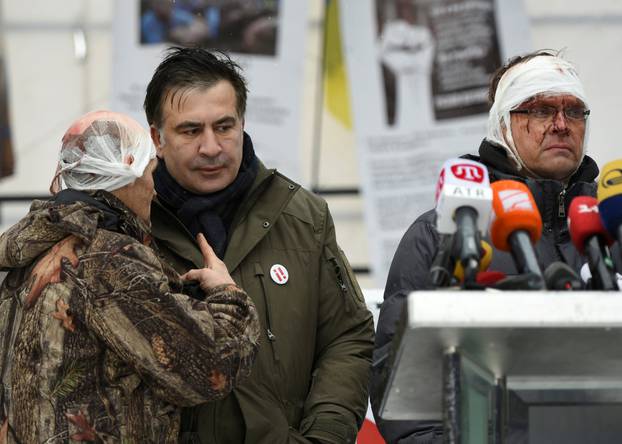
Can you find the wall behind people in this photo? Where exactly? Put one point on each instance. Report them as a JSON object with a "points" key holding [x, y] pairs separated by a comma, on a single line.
{"points": [[52, 82]]}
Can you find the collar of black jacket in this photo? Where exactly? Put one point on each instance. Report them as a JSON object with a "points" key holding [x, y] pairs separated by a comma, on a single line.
{"points": [[495, 157]]}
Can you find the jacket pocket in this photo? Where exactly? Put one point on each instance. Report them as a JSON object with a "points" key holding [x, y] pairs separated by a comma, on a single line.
{"points": [[345, 279]]}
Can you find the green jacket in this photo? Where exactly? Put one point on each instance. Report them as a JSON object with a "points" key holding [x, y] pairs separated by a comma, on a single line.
{"points": [[309, 381]]}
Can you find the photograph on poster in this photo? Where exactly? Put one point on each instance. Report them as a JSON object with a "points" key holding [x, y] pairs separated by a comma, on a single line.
{"points": [[436, 58], [242, 26], [406, 53], [6, 148], [467, 54]]}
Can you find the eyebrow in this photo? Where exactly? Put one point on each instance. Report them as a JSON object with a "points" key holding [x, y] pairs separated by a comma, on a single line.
{"points": [[546, 101], [188, 124], [226, 119]]}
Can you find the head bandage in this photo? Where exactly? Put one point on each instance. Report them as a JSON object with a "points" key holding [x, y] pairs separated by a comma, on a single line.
{"points": [[102, 151], [541, 75]]}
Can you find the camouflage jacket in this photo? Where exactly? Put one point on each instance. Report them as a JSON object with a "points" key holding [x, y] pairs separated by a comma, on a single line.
{"points": [[96, 341]]}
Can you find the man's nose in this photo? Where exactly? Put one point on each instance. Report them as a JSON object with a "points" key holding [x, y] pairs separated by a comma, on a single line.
{"points": [[208, 144], [559, 121]]}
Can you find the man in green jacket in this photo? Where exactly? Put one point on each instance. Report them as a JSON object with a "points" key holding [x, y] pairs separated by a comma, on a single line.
{"points": [[309, 381]]}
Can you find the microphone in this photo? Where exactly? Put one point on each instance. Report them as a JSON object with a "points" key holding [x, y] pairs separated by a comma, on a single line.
{"points": [[443, 262], [490, 278], [527, 281], [560, 276], [610, 198], [590, 238], [516, 225], [463, 198], [484, 262], [586, 276]]}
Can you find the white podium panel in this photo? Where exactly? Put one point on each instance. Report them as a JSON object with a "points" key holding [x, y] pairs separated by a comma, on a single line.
{"points": [[551, 342]]}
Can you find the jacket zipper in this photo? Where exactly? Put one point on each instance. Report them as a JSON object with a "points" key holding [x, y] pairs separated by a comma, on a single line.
{"points": [[271, 336], [560, 203], [340, 282]]}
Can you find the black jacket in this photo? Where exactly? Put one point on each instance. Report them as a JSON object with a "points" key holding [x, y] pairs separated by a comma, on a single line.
{"points": [[410, 269]]}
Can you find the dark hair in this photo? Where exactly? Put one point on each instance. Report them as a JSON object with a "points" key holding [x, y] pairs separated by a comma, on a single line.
{"points": [[496, 77], [192, 68]]}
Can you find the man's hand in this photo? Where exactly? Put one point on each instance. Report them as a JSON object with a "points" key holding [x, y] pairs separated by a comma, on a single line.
{"points": [[215, 271]]}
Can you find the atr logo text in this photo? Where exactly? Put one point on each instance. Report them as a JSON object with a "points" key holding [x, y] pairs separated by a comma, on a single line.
{"points": [[466, 171], [472, 192]]}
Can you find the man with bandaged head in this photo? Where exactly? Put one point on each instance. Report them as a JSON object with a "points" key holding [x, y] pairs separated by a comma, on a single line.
{"points": [[537, 133], [97, 341]]}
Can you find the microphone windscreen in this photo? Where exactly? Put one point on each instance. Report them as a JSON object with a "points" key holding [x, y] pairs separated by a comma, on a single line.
{"points": [[462, 183], [487, 278], [560, 276], [584, 222], [610, 196], [486, 257], [610, 181], [484, 262], [514, 209]]}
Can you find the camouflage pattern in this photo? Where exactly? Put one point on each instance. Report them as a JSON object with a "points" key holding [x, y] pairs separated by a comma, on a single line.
{"points": [[97, 343]]}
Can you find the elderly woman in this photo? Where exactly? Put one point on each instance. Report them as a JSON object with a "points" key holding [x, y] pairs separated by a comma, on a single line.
{"points": [[97, 343]]}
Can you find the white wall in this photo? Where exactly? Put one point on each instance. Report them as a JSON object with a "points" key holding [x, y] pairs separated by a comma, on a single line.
{"points": [[50, 87]]}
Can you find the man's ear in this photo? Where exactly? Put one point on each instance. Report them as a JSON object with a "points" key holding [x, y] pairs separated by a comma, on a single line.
{"points": [[157, 140]]}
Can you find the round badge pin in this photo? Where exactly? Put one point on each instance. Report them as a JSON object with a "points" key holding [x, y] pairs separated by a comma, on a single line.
{"points": [[279, 274]]}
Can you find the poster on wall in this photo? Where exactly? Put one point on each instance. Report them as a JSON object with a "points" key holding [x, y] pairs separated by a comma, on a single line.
{"points": [[265, 37], [7, 161], [425, 66]]}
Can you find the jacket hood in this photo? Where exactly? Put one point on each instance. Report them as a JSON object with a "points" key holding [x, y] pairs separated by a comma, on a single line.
{"points": [[68, 213]]}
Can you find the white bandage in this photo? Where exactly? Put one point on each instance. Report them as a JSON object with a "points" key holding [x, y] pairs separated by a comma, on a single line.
{"points": [[542, 75], [108, 155]]}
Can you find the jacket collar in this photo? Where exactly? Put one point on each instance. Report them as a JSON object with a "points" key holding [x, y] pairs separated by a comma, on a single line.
{"points": [[267, 198], [258, 213]]}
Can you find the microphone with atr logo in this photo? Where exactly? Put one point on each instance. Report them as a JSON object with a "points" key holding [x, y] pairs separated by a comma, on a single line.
{"points": [[610, 198], [591, 239], [463, 207], [516, 226]]}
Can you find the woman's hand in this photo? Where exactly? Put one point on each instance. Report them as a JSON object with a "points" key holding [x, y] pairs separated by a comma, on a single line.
{"points": [[215, 271]]}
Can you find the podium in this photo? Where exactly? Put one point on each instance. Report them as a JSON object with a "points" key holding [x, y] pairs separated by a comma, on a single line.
{"points": [[484, 362]]}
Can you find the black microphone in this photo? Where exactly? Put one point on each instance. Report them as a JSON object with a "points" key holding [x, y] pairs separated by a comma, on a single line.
{"points": [[560, 276], [525, 281], [443, 262]]}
